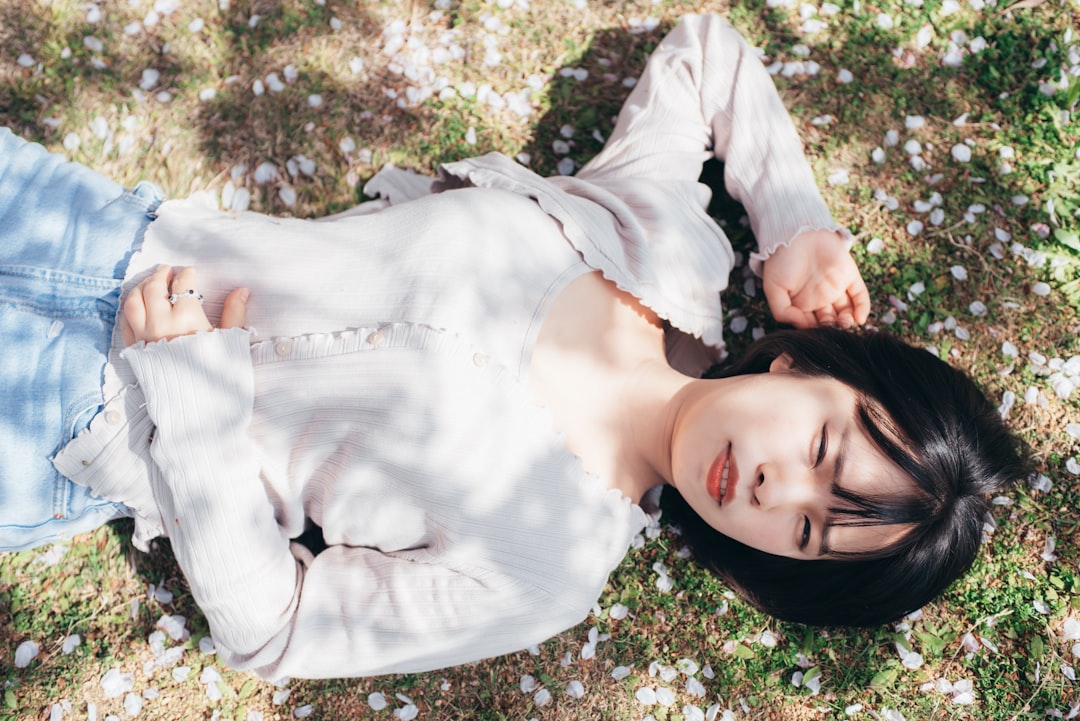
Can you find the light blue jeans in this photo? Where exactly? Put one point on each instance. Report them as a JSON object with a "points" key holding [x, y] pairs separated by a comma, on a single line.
{"points": [[66, 235]]}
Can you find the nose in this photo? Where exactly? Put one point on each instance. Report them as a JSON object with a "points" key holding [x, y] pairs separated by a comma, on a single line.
{"points": [[782, 485]]}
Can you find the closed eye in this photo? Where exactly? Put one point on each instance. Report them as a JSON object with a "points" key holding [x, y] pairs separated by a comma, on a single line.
{"points": [[805, 534], [823, 447]]}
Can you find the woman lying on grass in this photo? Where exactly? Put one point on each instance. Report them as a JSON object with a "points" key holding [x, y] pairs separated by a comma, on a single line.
{"points": [[468, 387]]}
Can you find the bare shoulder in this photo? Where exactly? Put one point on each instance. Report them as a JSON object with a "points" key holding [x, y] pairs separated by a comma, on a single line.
{"points": [[592, 339]]}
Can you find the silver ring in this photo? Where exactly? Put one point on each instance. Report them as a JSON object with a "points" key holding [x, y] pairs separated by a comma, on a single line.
{"points": [[189, 293]]}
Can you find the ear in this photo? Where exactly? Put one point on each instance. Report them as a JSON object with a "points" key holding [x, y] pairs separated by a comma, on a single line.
{"points": [[780, 363]]}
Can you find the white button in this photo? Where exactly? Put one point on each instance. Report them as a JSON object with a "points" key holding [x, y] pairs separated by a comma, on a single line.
{"points": [[480, 360], [283, 347], [377, 338], [112, 417]]}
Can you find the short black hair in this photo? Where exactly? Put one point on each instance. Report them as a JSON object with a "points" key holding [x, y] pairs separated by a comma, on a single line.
{"points": [[934, 423]]}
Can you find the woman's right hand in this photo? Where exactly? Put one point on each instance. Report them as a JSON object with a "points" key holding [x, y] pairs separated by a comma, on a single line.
{"points": [[814, 281], [150, 316]]}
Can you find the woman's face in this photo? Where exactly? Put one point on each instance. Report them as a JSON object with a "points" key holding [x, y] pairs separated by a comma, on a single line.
{"points": [[758, 456]]}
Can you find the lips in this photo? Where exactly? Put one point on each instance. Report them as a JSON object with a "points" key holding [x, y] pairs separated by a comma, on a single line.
{"points": [[720, 481]]}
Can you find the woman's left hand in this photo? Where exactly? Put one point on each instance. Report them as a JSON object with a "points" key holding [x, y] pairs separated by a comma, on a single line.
{"points": [[149, 314], [814, 281]]}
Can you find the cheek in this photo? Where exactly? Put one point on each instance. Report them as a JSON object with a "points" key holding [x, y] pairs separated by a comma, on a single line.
{"points": [[762, 533]]}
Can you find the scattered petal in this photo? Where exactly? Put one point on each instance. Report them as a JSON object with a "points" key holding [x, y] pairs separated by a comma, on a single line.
{"points": [[695, 688], [116, 683], [408, 712], [25, 653], [133, 704], [646, 696], [961, 152], [1040, 482]]}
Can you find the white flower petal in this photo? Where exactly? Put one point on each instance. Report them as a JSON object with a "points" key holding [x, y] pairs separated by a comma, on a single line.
{"points": [[665, 696], [71, 643], [646, 696], [961, 152], [26, 652], [133, 704], [407, 712], [116, 682]]}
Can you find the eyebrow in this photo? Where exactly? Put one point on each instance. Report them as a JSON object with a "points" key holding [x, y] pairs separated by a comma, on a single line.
{"points": [[841, 456]]}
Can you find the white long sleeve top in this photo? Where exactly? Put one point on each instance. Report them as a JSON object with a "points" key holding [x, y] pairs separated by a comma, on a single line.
{"points": [[381, 390]]}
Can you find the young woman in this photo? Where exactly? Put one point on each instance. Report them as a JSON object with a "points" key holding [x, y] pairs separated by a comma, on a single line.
{"points": [[468, 386]]}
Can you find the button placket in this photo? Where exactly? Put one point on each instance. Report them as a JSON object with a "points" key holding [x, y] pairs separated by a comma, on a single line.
{"points": [[283, 348]]}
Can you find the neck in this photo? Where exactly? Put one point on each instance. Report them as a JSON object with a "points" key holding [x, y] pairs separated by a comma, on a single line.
{"points": [[647, 410]]}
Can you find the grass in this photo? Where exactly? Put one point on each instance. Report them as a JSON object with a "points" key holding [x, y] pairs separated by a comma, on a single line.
{"points": [[199, 126]]}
